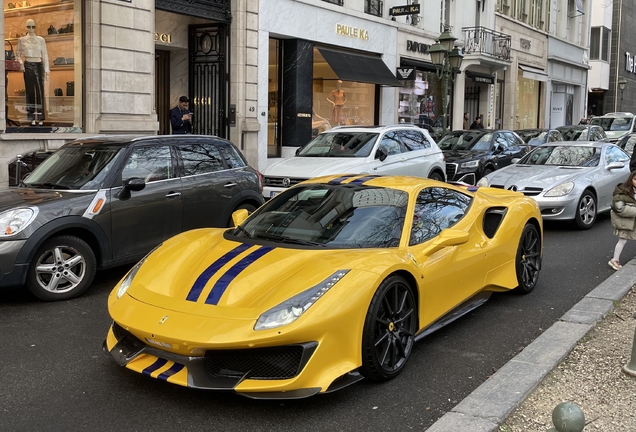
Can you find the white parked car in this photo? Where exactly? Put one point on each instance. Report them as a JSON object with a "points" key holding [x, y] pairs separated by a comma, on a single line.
{"points": [[374, 150]]}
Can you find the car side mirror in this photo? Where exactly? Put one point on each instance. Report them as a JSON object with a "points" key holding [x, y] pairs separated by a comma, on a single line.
{"points": [[615, 165], [239, 216], [298, 150], [515, 160], [446, 238], [132, 184], [380, 154]]}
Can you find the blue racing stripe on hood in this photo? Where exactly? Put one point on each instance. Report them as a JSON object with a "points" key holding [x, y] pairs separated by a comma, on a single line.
{"points": [[153, 367], [361, 180], [203, 279], [221, 285], [339, 180], [173, 370]]}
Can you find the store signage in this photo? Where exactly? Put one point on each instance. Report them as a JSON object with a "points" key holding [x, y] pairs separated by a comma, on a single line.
{"points": [[484, 80], [405, 73], [404, 10], [163, 37], [629, 62], [353, 32], [417, 47]]}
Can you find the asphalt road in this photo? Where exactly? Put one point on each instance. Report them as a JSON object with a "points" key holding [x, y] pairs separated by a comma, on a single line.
{"points": [[55, 377]]}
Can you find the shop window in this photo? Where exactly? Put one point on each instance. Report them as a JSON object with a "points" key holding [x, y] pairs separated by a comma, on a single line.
{"points": [[420, 103], [43, 65], [273, 98]]}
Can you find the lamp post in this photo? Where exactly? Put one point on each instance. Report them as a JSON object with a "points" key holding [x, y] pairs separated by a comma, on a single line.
{"points": [[622, 82], [447, 60]]}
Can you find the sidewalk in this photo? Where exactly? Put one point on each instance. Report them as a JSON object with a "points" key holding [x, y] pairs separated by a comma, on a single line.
{"points": [[499, 401]]}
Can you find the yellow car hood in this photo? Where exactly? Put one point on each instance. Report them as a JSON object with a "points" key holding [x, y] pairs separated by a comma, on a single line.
{"points": [[200, 272]]}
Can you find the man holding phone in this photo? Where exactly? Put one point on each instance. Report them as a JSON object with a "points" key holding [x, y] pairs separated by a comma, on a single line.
{"points": [[181, 117]]}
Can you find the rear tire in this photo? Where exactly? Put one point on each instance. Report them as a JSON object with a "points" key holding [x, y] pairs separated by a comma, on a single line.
{"points": [[528, 260], [389, 330], [586, 211], [61, 269], [436, 176]]}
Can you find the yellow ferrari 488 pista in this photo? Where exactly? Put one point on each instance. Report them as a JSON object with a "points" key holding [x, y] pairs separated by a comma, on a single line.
{"points": [[331, 281]]}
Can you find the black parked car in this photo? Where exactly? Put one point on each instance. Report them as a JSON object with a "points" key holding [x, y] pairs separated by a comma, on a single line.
{"points": [[23, 165], [627, 143], [582, 133], [105, 201], [472, 154], [535, 137]]}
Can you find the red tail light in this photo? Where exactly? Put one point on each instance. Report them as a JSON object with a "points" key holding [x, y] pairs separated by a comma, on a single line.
{"points": [[260, 181]]}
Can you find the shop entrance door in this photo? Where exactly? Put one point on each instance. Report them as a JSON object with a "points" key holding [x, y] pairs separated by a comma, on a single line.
{"points": [[208, 83], [162, 90], [471, 102]]}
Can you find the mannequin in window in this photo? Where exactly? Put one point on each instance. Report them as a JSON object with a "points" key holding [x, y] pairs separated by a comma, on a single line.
{"points": [[34, 62], [338, 98]]}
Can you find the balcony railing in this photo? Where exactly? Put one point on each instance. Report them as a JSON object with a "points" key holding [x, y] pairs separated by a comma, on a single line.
{"points": [[373, 7], [482, 40]]}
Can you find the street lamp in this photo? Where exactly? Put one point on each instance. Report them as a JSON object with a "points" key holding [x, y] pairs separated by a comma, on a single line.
{"points": [[447, 60], [622, 82]]}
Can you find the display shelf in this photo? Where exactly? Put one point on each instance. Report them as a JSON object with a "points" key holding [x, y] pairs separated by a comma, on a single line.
{"points": [[47, 38], [51, 7]]}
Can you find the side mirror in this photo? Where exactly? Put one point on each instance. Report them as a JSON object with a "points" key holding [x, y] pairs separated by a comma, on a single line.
{"points": [[380, 154], [132, 184], [615, 165], [448, 237], [515, 160], [239, 216], [298, 150]]}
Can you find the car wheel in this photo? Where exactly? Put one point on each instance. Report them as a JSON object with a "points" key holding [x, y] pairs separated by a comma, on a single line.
{"points": [[62, 268], [249, 207], [586, 211], [528, 261], [389, 330], [486, 172], [436, 176]]}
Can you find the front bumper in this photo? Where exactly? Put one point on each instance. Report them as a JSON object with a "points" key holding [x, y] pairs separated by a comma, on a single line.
{"points": [[271, 191], [558, 208], [11, 272]]}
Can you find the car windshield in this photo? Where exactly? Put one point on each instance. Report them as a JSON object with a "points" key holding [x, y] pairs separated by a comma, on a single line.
{"points": [[74, 167], [335, 216], [571, 134], [340, 144], [574, 156], [476, 141], [614, 123], [532, 136]]}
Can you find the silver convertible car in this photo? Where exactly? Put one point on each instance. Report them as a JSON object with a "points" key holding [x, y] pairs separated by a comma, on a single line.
{"points": [[570, 180]]}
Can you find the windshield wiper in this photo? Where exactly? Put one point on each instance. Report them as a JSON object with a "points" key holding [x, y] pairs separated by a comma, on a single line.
{"points": [[48, 184], [290, 240], [244, 231]]}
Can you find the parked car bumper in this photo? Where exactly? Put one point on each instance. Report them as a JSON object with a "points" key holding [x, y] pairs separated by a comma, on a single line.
{"points": [[11, 273], [558, 208], [270, 191]]}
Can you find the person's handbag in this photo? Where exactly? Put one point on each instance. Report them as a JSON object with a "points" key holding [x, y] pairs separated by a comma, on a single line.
{"points": [[70, 88], [52, 30], [9, 54], [59, 61], [58, 92]]}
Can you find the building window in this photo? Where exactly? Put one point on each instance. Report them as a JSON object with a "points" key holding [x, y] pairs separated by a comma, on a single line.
{"points": [[43, 65], [605, 44], [373, 7], [595, 43], [336, 2], [273, 99]]}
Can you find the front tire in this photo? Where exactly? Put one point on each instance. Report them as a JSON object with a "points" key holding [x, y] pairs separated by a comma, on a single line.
{"points": [[528, 260], [586, 211], [62, 268], [436, 176], [389, 330]]}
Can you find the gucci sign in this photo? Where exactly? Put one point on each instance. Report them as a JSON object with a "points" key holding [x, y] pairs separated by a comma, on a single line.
{"points": [[163, 37]]}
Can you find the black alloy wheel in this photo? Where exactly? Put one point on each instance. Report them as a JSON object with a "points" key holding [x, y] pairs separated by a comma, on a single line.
{"points": [[389, 330], [436, 176], [528, 261]]}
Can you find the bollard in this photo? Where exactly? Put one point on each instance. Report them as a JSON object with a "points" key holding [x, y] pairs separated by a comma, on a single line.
{"points": [[567, 417], [630, 368]]}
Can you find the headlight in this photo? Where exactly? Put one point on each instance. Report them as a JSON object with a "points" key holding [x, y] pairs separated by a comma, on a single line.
{"points": [[483, 182], [125, 284], [290, 310], [560, 190], [470, 164], [14, 221]]}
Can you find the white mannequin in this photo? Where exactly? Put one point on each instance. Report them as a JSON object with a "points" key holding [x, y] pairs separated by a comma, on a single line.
{"points": [[34, 62]]}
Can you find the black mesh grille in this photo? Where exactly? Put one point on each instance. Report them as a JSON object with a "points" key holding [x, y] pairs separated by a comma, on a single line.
{"points": [[492, 220], [451, 170], [260, 363], [127, 339]]}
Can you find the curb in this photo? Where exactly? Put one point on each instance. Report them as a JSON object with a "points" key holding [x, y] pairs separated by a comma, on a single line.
{"points": [[492, 402]]}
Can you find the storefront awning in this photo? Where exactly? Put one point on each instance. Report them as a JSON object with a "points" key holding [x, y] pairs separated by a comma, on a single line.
{"points": [[355, 67], [533, 73], [480, 77]]}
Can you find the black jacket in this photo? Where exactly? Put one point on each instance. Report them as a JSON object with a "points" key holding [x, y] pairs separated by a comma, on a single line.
{"points": [[632, 162], [476, 125], [178, 125]]}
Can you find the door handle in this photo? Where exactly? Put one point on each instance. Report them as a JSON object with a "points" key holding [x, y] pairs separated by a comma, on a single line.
{"points": [[173, 194], [228, 185]]}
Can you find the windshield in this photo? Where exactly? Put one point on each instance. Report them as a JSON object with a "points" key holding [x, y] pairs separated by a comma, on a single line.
{"points": [[74, 167], [338, 216], [575, 156], [475, 141], [340, 144], [532, 136], [613, 123], [573, 134]]}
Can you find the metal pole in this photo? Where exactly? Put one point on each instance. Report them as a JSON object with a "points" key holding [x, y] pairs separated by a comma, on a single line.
{"points": [[444, 96]]}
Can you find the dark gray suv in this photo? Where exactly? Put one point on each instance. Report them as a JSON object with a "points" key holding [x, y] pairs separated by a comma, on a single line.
{"points": [[105, 201]]}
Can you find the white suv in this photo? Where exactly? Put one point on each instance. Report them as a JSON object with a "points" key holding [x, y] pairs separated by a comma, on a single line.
{"points": [[377, 150], [616, 125]]}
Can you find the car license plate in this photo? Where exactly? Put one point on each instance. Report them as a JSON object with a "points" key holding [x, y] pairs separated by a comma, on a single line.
{"points": [[272, 194]]}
